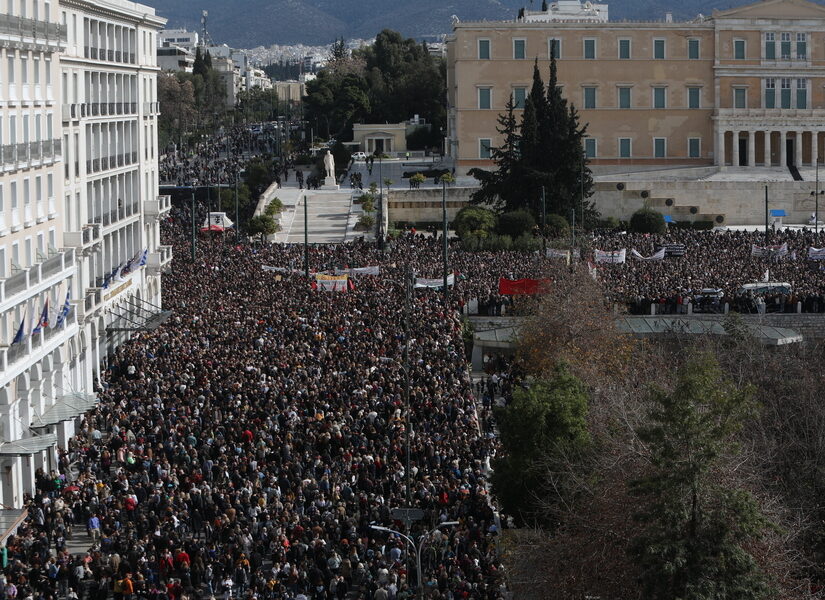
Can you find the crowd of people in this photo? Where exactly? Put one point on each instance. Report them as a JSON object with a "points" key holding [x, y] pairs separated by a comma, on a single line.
{"points": [[247, 448], [713, 270]]}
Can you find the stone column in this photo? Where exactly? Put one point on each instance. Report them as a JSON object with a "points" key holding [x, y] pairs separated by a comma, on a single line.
{"points": [[735, 148], [797, 152], [720, 147], [783, 148], [814, 148], [751, 148], [767, 148]]}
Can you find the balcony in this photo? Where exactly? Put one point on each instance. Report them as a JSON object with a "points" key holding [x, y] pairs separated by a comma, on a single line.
{"points": [[154, 209], [90, 305], [21, 27], [160, 261], [150, 108], [23, 280], [32, 347], [763, 116], [29, 154], [85, 241]]}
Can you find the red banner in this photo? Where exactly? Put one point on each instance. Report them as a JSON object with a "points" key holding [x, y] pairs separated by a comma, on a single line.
{"points": [[520, 287]]}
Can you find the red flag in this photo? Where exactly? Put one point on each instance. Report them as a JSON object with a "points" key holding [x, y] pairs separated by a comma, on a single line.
{"points": [[519, 287]]}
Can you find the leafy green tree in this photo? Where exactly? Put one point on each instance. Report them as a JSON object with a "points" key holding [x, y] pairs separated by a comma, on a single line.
{"points": [[694, 525], [262, 225], [257, 104], [516, 223], [258, 176], [545, 422], [646, 220], [474, 220]]}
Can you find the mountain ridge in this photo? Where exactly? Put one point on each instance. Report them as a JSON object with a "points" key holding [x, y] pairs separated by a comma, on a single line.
{"points": [[318, 22]]}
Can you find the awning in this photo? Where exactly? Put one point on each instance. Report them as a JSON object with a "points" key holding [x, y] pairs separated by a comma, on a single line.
{"points": [[669, 219], [138, 315], [28, 446], [10, 520], [66, 408], [778, 212]]}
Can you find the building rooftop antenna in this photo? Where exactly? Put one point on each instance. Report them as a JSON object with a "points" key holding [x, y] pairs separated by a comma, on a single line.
{"points": [[205, 39]]}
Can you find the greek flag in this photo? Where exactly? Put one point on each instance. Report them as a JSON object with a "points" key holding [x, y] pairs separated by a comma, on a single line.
{"points": [[64, 312], [43, 321]]}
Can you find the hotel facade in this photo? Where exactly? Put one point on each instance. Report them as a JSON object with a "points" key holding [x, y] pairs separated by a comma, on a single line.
{"points": [[742, 87], [80, 260]]}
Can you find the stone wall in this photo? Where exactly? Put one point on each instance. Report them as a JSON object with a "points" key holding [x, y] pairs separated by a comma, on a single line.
{"points": [[424, 205], [724, 202]]}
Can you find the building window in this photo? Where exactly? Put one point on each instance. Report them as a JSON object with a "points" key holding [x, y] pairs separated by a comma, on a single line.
{"points": [[484, 49], [785, 46], [770, 93], [590, 147], [624, 148], [519, 49], [694, 147], [484, 148], [659, 49], [694, 97], [519, 96], [740, 98], [739, 49], [624, 49], [659, 147], [659, 97], [590, 49], [770, 45], [554, 47], [693, 49], [802, 93], [590, 97], [624, 97], [785, 93], [802, 46], [485, 98]]}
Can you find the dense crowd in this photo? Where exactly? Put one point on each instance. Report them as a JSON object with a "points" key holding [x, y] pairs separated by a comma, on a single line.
{"points": [[714, 260], [245, 448]]}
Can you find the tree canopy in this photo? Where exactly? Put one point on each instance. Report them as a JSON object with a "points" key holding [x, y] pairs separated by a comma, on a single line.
{"points": [[387, 82], [544, 151]]}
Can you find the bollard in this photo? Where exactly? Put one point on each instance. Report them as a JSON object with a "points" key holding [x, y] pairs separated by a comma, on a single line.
{"points": [[727, 307], [690, 308], [799, 308], [653, 309]]}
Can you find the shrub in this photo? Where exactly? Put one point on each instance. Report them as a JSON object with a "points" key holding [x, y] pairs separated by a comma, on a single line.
{"points": [[474, 220], [526, 243], [418, 179], [367, 202], [274, 207], [262, 225], [516, 223], [646, 220], [610, 223], [366, 221], [557, 226]]}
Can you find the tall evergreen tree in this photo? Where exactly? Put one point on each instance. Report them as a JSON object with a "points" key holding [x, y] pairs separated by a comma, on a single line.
{"points": [[693, 525], [502, 187], [199, 67]]}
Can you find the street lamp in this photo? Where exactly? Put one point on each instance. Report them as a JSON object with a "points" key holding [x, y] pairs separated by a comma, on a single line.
{"points": [[816, 193], [417, 549]]}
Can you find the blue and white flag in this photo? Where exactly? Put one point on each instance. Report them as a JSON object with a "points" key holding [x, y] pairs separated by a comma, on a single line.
{"points": [[144, 258], [64, 312]]}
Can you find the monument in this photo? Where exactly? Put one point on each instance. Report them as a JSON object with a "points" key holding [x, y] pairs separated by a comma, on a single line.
{"points": [[329, 167]]}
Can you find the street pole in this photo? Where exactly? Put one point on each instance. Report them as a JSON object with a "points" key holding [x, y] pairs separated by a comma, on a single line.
{"points": [[408, 278], [306, 238], [816, 197], [766, 215], [237, 220], [446, 249], [581, 192], [193, 226], [543, 223]]}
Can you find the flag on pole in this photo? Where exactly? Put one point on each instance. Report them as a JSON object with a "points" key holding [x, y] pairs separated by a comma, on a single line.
{"points": [[43, 321], [19, 335], [144, 257], [64, 312]]}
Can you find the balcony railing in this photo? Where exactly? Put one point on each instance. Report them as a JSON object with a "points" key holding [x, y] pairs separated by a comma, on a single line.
{"points": [[20, 156], [20, 352], [159, 261], [155, 208], [23, 27], [84, 239], [27, 278]]}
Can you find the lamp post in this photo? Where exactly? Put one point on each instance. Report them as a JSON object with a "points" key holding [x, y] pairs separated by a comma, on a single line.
{"points": [[816, 193], [193, 226], [444, 179], [416, 548]]}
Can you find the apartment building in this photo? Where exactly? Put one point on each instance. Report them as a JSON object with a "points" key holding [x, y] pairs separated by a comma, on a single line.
{"points": [[742, 87], [80, 260]]}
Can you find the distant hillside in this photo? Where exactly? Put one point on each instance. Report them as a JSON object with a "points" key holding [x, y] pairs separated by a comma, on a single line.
{"points": [[250, 23]]}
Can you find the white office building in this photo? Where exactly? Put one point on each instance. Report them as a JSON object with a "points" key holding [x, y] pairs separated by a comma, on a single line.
{"points": [[79, 236]]}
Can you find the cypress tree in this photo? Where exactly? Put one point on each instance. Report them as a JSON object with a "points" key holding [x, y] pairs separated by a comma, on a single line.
{"points": [[501, 187]]}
